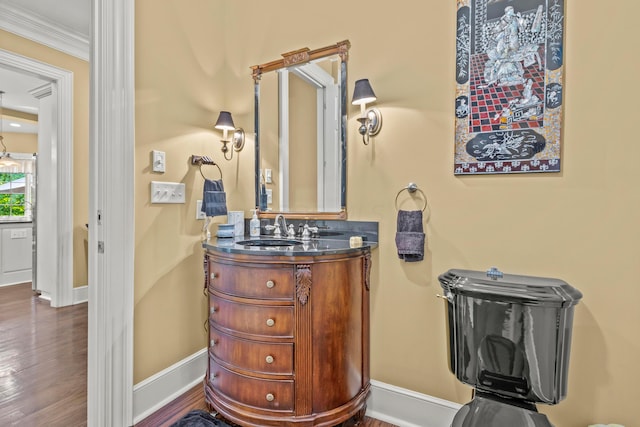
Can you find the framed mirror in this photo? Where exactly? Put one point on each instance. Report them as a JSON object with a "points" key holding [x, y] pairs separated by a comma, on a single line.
{"points": [[300, 116]]}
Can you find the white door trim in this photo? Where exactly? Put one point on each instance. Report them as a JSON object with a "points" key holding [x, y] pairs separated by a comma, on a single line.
{"points": [[111, 215], [58, 228]]}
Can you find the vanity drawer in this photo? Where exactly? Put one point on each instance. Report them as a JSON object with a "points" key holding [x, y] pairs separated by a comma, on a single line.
{"points": [[253, 319], [273, 282], [265, 358], [256, 392]]}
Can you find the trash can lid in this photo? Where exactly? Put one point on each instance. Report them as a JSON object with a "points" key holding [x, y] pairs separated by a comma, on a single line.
{"points": [[494, 285]]}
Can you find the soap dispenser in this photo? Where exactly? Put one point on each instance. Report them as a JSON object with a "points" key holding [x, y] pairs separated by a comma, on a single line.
{"points": [[254, 225]]}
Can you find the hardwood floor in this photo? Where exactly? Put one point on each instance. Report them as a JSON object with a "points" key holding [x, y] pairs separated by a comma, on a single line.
{"points": [[43, 361], [43, 367]]}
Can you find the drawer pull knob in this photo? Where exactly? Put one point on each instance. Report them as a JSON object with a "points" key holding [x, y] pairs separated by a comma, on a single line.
{"points": [[269, 359], [270, 284], [270, 322], [212, 310], [213, 343], [270, 397], [214, 276]]}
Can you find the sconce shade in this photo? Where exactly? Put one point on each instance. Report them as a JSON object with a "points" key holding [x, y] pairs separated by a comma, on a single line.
{"points": [[225, 124], [225, 121], [363, 93]]}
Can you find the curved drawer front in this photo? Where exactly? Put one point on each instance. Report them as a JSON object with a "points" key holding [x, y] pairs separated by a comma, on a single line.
{"points": [[252, 282], [262, 320], [265, 394], [254, 356]]}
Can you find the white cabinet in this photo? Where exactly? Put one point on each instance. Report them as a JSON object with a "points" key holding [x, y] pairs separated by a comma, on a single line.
{"points": [[16, 253]]}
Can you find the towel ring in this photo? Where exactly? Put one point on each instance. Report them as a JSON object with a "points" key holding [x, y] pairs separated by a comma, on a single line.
{"points": [[412, 188], [216, 165], [204, 160]]}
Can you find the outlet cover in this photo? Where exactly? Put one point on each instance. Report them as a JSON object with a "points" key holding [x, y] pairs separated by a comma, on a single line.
{"points": [[269, 196], [199, 213], [19, 233]]}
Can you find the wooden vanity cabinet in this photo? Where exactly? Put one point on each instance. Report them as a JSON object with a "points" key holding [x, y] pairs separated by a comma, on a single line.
{"points": [[288, 338]]}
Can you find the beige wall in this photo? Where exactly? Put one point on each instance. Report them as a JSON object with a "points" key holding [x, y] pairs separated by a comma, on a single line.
{"points": [[180, 85], [21, 142], [80, 69], [580, 225], [303, 135]]}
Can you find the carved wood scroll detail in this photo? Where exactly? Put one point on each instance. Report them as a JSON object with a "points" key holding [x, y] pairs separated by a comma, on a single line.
{"points": [[343, 50], [205, 265], [301, 56], [296, 57], [366, 265], [303, 282]]}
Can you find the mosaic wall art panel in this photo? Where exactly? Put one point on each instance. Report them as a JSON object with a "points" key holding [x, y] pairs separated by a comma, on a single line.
{"points": [[508, 105]]}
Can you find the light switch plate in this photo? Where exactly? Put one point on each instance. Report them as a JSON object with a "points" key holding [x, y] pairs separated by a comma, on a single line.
{"points": [[167, 192], [268, 178], [158, 161]]}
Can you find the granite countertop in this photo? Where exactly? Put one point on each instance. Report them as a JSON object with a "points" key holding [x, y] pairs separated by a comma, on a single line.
{"points": [[313, 247]]}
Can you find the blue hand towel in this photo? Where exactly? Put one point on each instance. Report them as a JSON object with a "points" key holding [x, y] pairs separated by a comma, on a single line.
{"points": [[410, 237], [214, 199]]}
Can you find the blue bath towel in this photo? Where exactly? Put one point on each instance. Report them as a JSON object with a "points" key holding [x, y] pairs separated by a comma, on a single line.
{"points": [[410, 237], [214, 199]]}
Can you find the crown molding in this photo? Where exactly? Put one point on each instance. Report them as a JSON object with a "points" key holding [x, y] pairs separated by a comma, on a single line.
{"points": [[37, 29]]}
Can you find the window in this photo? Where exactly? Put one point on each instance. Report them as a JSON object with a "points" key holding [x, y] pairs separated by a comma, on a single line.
{"points": [[17, 187], [12, 198], [17, 192]]}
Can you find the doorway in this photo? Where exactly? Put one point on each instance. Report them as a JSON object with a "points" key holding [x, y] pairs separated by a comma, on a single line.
{"points": [[55, 240]]}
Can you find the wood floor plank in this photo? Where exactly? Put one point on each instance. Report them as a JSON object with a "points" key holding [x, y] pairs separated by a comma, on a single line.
{"points": [[43, 361]]}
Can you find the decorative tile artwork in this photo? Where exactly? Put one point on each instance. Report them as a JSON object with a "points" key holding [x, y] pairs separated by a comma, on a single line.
{"points": [[508, 106]]}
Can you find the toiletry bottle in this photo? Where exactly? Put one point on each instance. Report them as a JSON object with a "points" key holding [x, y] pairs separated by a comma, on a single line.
{"points": [[254, 225], [263, 198]]}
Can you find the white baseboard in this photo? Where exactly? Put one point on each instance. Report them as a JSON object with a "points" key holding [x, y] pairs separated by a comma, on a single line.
{"points": [[406, 408], [156, 391], [80, 294], [395, 405], [10, 278], [15, 282]]}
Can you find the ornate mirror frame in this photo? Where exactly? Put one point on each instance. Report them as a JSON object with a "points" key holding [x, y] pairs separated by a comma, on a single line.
{"points": [[294, 58]]}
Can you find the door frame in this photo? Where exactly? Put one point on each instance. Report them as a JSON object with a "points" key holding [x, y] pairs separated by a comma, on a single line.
{"points": [[111, 215], [55, 241]]}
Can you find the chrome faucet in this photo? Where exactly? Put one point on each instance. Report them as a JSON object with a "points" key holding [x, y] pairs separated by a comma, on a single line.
{"points": [[283, 221], [277, 223], [308, 231]]}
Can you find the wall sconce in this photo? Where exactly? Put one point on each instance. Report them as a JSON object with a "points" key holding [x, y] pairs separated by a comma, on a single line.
{"points": [[371, 119], [225, 123]]}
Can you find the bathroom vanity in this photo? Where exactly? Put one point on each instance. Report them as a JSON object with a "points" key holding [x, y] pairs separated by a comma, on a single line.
{"points": [[289, 320], [288, 331]]}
